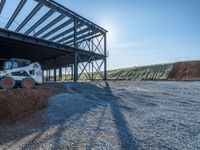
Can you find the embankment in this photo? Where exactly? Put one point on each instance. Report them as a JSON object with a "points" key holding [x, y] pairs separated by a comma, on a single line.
{"points": [[189, 70]]}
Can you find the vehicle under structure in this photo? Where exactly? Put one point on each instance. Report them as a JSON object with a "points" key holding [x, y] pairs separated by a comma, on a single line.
{"points": [[20, 72]]}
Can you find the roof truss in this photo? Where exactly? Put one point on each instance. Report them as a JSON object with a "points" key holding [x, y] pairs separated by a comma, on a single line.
{"points": [[64, 28]]}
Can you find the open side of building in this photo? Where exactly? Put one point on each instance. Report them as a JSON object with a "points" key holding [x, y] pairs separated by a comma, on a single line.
{"points": [[56, 37]]}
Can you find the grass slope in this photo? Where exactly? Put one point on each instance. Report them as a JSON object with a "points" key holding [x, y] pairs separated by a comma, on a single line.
{"points": [[153, 72]]}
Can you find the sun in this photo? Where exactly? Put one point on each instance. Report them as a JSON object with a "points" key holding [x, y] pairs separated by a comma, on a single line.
{"points": [[111, 35]]}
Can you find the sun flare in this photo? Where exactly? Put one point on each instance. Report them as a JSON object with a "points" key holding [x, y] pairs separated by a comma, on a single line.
{"points": [[111, 35]]}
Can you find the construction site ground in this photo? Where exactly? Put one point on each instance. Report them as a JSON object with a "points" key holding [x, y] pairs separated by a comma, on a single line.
{"points": [[111, 115]]}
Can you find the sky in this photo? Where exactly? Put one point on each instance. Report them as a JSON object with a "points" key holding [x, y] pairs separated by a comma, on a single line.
{"points": [[143, 32]]}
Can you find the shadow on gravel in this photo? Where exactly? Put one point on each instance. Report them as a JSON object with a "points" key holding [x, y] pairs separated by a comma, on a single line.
{"points": [[63, 114], [124, 134]]}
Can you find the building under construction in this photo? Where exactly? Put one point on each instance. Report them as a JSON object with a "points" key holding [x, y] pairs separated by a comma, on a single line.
{"points": [[62, 41]]}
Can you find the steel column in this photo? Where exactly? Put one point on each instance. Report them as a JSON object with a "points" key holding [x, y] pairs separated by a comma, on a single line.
{"points": [[105, 57], [49, 75], [65, 73], [55, 79], [72, 72], [75, 52], [60, 74], [92, 60]]}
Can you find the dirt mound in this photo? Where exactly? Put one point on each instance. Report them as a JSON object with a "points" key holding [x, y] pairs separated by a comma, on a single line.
{"points": [[185, 71], [17, 104]]}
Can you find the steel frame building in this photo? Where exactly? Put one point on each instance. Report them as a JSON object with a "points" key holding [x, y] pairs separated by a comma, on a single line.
{"points": [[59, 38]]}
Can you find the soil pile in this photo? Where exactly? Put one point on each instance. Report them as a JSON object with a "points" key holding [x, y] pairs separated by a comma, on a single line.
{"points": [[17, 104], [185, 71]]}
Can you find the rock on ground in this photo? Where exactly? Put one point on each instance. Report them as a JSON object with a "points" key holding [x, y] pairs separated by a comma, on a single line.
{"points": [[113, 115]]}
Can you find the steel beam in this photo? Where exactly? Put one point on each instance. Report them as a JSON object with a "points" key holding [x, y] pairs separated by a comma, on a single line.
{"points": [[63, 10], [81, 37], [62, 34], [65, 32], [40, 21], [87, 35], [66, 23], [28, 18], [71, 36], [17, 11], [86, 39], [49, 25], [2, 3]]}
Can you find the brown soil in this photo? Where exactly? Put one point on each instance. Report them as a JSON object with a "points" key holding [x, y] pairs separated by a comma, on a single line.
{"points": [[185, 71], [17, 104]]}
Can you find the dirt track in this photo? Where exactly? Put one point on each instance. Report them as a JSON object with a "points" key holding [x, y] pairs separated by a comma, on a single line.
{"points": [[114, 115]]}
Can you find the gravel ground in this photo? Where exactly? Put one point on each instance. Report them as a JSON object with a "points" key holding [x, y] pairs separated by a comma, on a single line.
{"points": [[113, 115]]}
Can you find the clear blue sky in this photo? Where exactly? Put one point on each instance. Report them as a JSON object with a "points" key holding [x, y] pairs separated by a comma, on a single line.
{"points": [[145, 31]]}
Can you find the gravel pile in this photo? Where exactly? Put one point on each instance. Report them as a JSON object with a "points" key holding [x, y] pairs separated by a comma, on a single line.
{"points": [[114, 115]]}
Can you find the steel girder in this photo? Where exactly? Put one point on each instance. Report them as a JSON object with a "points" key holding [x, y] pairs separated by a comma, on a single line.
{"points": [[65, 32], [66, 23], [81, 37], [2, 3], [41, 20], [63, 10], [71, 36], [49, 25], [46, 31], [19, 7], [28, 18]]}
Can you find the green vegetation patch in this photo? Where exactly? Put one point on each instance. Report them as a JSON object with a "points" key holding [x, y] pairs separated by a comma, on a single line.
{"points": [[151, 72]]}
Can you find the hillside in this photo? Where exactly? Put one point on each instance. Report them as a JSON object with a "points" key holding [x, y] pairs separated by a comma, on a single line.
{"points": [[151, 72], [189, 70], [185, 71]]}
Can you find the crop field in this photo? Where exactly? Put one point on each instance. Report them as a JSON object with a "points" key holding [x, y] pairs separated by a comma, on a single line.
{"points": [[127, 115]]}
